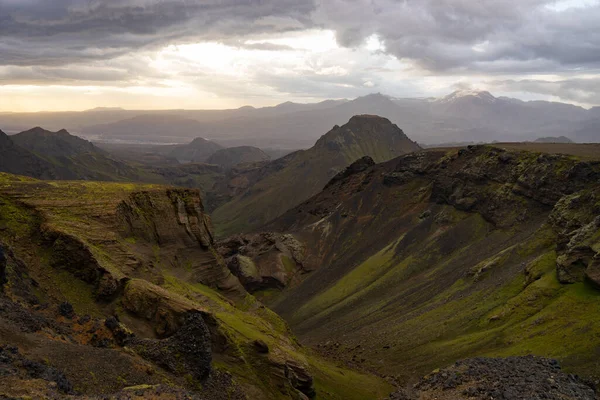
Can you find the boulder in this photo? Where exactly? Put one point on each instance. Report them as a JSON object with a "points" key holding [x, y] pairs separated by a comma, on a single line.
{"points": [[264, 260]]}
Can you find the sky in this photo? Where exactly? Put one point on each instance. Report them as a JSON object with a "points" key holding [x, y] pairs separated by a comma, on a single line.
{"points": [[213, 54]]}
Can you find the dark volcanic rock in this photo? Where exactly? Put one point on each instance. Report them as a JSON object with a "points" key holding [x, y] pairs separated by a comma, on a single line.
{"points": [[66, 310], [2, 268], [188, 350], [357, 166], [512, 378], [12, 363], [261, 346]]}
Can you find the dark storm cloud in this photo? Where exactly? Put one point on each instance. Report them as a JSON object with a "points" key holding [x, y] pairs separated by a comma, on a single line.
{"points": [[58, 32], [454, 36], [445, 37]]}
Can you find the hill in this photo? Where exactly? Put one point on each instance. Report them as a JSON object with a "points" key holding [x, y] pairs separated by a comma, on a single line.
{"points": [[232, 156], [284, 183], [436, 256], [199, 150], [559, 139], [17, 160], [125, 279], [71, 157], [53, 144]]}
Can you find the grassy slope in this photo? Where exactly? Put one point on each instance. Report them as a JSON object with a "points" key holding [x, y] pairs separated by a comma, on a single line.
{"points": [[82, 209], [419, 292], [469, 317]]}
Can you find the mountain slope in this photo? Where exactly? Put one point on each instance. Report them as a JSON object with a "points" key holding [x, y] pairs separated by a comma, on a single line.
{"points": [[434, 256], [17, 160], [133, 289], [71, 157], [288, 181], [232, 156], [53, 144]]}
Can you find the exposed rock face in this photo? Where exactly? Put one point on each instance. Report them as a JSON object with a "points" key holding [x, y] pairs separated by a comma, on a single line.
{"points": [[166, 312], [539, 180], [511, 378], [576, 218], [73, 255], [263, 260], [178, 224], [354, 168]]}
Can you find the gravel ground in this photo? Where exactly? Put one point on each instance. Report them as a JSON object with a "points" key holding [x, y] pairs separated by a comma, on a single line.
{"points": [[513, 378]]}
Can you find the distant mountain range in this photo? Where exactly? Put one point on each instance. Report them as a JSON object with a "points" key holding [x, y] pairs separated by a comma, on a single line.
{"points": [[462, 116]]}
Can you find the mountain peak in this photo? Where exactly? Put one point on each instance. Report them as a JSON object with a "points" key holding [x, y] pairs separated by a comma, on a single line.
{"points": [[373, 97], [369, 119], [60, 143], [366, 128], [484, 96]]}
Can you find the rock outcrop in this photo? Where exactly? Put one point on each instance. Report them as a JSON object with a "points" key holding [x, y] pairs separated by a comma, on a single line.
{"points": [[576, 219], [176, 222], [264, 260], [187, 350], [357, 166]]}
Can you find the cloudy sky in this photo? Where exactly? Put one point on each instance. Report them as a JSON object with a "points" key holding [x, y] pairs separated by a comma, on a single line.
{"points": [[155, 54]]}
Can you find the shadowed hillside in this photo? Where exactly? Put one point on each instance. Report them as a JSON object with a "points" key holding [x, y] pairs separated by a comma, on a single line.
{"points": [[65, 156], [287, 181], [17, 160]]}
